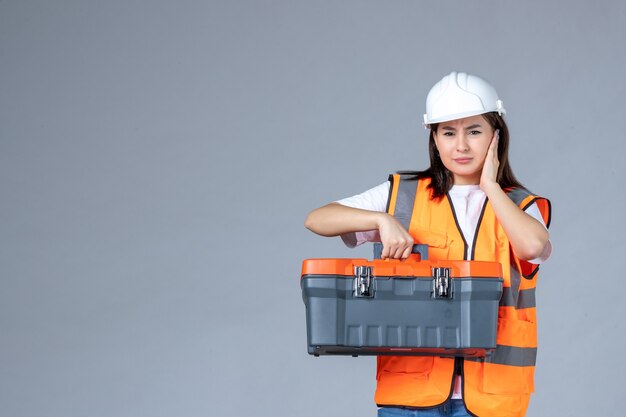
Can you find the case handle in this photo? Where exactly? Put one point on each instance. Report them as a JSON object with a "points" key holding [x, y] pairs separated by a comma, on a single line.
{"points": [[421, 249]]}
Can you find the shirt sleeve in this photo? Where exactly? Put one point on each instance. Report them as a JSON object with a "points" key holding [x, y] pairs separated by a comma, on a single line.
{"points": [[534, 212], [374, 199]]}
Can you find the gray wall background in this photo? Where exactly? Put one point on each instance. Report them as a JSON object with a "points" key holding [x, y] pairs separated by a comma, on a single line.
{"points": [[158, 158]]}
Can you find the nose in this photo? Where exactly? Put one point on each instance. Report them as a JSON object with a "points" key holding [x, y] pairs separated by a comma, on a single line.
{"points": [[461, 143]]}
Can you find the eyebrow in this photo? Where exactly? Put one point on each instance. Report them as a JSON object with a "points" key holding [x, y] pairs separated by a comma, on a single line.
{"points": [[474, 126]]}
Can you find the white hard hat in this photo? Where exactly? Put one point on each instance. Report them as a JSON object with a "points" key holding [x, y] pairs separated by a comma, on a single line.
{"points": [[460, 95]]}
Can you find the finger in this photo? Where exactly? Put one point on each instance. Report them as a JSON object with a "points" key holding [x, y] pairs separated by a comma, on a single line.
{"points": [[393, 253], [406, 249], [496, 161], [495, 140], [492, 151], [385, 253], [493, 144]]}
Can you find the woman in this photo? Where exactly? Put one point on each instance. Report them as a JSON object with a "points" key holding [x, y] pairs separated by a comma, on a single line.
{"points": [[467, 206]]}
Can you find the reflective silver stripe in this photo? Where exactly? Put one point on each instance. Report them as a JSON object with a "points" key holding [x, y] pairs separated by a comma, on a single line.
{"points": [[405, 202], [525, 298], [515, 279], [510, 355], [518, 195]]}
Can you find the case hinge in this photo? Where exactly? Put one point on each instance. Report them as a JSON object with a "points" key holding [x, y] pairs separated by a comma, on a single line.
{"points": [[441, 283], [363, 282]]}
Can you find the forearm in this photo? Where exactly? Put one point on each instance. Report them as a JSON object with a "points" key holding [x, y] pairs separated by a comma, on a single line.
{"points": [[527, 236], [335, 219]]}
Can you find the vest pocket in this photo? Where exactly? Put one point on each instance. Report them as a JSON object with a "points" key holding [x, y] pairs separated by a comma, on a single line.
{"points": [[507, 380], [417, 366], [516, 332], [438, 242]]}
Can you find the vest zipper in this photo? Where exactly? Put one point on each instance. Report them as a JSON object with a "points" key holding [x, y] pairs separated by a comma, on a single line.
{"points": [[458, 227], [480, 220]]}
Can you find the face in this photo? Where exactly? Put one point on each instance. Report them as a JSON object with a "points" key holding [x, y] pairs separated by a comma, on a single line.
{"points": [[462, 146]]}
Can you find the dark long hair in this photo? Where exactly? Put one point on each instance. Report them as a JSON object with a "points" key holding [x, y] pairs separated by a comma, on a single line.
{"points": [[441, 177]]}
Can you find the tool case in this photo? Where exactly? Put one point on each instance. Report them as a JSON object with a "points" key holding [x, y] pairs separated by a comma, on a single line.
{"points": [[393, 307]]}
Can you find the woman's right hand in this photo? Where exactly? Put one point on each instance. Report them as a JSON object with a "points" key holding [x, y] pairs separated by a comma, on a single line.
{"points": [[334, 219], [396, 240]]}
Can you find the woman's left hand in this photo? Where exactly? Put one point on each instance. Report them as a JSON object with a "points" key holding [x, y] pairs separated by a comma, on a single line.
{"points": [[489, 174]]}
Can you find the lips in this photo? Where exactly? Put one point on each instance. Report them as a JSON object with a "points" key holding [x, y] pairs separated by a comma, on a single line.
{"points": [[462, 160]]}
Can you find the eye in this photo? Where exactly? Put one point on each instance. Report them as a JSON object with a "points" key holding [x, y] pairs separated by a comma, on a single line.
{"points": [[450, 134], [475, 132]]}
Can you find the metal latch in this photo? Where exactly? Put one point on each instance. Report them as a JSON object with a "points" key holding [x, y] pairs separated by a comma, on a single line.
{"points": [[363, 282], [441, 283]]}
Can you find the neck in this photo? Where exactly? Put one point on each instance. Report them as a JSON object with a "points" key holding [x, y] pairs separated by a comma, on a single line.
{"points": [[466, 180]]}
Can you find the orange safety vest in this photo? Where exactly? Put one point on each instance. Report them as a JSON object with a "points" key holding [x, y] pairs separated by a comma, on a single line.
{"points": [[500, 384]]}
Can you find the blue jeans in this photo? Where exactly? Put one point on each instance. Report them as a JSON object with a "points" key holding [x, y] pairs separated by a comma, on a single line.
{"points": [[453, 408]]}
